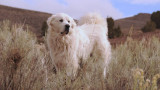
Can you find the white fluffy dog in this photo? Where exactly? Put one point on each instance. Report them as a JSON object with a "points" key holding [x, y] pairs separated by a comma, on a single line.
{"points": [[68, 43]]}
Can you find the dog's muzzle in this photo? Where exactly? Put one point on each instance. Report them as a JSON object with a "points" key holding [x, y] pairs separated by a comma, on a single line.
{"points": [[66, 31]]}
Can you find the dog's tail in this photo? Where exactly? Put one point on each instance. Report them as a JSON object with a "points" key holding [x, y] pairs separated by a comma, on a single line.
{"points": [[92, 18]]}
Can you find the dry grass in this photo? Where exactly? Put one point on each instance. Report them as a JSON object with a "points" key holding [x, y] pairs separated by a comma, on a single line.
{"points": [[21, 63], [25, 65], [134, 54]]}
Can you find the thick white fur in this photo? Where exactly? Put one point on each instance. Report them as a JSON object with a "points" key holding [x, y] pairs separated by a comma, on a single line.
{"points": [[81, 41]]}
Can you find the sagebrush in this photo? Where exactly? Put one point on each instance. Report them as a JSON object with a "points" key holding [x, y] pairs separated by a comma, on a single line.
{"points": [[149, 27], [26, 65], [113, 32]]}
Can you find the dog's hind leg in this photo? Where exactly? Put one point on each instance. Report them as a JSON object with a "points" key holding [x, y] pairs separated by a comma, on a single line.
{"points": [[104, 53]]}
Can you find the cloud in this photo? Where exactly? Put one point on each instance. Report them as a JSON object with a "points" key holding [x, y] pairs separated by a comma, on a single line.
{"points": [[145, 2], [75, 8]]}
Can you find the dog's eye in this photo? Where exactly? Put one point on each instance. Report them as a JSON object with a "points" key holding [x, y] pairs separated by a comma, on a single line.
{"points": [[61, 20], [68, 21]]}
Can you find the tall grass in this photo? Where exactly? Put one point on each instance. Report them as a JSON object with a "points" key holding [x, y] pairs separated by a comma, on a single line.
{"points": [[26, 65], [134, 55], [21, 62]]}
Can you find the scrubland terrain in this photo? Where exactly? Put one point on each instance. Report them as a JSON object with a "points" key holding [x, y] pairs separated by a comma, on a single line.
{"points": [[26, 65]]}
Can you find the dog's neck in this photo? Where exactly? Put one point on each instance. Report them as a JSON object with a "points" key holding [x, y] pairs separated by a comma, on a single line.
{"points": [[59, 38], [62, 43]]}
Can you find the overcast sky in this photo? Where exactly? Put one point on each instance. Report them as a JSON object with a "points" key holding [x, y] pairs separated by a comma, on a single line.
{"points": [[76, 8]]}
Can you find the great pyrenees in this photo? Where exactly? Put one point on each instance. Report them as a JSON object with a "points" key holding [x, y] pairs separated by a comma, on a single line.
{"points": [[69, 44]]}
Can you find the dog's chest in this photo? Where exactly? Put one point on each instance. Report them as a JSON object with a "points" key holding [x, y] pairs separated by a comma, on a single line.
{"points": [[64, 45]]}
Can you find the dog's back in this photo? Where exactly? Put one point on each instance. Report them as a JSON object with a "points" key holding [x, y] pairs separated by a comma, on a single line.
{"points": [[93, 19]]}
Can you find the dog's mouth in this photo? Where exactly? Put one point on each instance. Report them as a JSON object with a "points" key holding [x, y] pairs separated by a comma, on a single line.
{"points": [[65, 32]]}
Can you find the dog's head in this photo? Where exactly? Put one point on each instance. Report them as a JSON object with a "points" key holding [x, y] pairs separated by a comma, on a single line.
{"points": [[61, 23]]}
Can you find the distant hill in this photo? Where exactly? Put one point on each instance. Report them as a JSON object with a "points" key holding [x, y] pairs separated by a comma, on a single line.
{"points": [[31, 18], [35, 20], [138, 21]]}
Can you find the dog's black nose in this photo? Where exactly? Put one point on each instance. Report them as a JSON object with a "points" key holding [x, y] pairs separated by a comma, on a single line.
{"points": [[67, 26]]}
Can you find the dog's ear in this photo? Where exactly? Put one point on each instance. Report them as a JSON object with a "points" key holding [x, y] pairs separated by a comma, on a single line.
{"points": [[74, 24], [50, 19]]}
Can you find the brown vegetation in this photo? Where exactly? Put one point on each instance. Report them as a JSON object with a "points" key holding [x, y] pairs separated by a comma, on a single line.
{"points": [[25, 65]]}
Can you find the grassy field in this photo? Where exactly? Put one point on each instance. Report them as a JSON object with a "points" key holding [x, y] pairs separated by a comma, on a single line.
{"points": [[26, 65]]}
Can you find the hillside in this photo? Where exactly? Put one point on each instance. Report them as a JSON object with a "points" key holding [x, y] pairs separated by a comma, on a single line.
{"points": [[138, 21], [35, 20], [32, 18]]}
